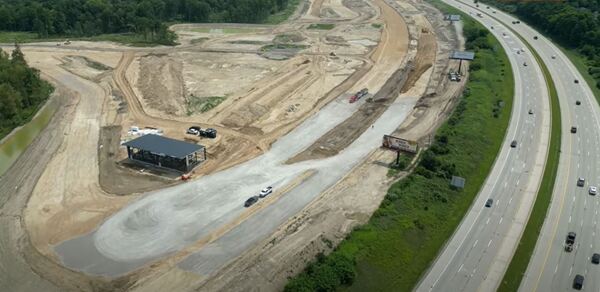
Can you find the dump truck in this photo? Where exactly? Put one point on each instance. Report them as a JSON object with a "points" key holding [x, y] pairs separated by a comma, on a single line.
{"points": [[359, 95], [570, 241]]}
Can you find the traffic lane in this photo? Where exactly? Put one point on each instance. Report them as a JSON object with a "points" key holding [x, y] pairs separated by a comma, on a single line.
{"points": [[491, 234], [503, 194], [508, 51]]}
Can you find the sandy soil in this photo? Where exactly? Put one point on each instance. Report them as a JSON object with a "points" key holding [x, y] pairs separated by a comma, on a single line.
{"points": [[151, 87], [325, 222]]}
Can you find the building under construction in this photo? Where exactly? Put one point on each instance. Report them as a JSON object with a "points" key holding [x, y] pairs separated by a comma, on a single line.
{"points": [[166, 152]]}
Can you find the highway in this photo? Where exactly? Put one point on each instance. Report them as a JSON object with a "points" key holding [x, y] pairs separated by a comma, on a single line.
{"points": [[478, 253], [572, 208]]}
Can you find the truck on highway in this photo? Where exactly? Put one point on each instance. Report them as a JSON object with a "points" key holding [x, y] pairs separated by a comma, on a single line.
{"points": [[570, 241]]}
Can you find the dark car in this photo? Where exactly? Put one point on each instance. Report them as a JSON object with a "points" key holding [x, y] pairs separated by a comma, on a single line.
{"points": [[251, 201], [578, 102], [535, 37], [513, 144], [576, 81], [531, 112], [573, 130], [578, 282], [596, 259], [489, 203], [580, 182]]}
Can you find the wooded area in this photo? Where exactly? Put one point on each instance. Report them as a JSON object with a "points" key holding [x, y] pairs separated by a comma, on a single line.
{"points": [[21, 91], [574, 24], [92, 17]]}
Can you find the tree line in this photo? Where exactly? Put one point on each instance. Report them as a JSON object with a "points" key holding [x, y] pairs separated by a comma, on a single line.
{"points": [[21, 91], [147, 17], [572, 23]]}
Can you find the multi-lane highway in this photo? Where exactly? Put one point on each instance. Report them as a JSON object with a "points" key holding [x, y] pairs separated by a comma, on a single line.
{"points": [[477, 254], [572, 208]]}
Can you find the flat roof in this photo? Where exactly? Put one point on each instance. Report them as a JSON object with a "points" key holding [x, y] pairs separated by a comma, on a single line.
{"points": [[462, 55], [163, 146]]}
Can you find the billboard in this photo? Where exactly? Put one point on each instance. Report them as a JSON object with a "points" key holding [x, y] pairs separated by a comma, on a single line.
{"points": [[399, 144]]}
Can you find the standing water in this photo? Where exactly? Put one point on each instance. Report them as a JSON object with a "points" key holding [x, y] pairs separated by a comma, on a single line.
{"points": [[12, 147]]}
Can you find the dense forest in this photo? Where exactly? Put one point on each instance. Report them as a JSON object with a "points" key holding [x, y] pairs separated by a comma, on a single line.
{"points": [[21, 91], [573, 23], [147, 17]]}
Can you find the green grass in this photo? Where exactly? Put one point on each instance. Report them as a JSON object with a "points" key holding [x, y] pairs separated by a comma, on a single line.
{"points": [[198, 40], [283, 15], [129, 39], [376, 25], [323, 26], [421, 211], [203, 104], [520, 260], [282, 47], [403, 163]]}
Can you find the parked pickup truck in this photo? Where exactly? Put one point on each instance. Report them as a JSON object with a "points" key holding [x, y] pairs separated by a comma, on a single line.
{"points": [[570, 241]]}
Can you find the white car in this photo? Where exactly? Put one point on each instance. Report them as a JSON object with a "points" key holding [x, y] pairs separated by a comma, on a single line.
{"points": [[593, 190], [267, 191]]}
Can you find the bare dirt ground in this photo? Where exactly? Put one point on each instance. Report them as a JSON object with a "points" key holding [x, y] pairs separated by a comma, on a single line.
{"points": [[74, 184], [324, 223]]}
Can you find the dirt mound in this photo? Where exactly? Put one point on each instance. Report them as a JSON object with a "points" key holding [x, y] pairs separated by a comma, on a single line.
{"points": [[161, 84]]}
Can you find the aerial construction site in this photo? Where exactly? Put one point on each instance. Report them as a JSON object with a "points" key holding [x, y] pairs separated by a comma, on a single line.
{"points": [[301, 107]]}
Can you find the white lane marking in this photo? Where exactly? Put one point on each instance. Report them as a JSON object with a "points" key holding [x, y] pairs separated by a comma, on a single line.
{"points": [[489, 243], [461, 266], [518, 180], [570, 270], [569, 218], [512, 198], [476, 241], [488, 221], [555, 269], [501, 218]]}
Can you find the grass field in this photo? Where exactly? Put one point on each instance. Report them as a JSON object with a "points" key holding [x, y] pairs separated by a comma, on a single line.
{"points": [[322, 26], [203, 104], [420, 212], [129, 39]]}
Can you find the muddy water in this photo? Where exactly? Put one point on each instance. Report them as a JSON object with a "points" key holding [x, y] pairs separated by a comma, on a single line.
{"points": [[14, 145]]}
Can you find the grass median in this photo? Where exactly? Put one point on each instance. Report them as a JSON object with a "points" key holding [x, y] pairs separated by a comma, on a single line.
{"points": [[421, 211], [520, 260]]}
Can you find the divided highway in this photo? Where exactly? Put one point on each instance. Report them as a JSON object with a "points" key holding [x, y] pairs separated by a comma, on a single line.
{"points": [[477, 255], [572, 208]]}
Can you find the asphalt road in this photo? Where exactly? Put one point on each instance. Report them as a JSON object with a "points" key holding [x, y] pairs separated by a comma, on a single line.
{"points": [[477, 255], [572, 208]]}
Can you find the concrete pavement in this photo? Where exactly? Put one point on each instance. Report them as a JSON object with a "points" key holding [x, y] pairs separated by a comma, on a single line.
{"points": [[481, 248]]}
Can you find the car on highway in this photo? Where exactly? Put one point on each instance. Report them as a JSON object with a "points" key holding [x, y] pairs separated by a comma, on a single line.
{"points": [[580, 182], [530, 111], [265, 192], [596, 258], [251, 201], [578, 282], [573, 129], [525, 64], [553, 57], [535, 37], [593, 190], [513, 144], [489, 203], [578, 102], [576, 81]]}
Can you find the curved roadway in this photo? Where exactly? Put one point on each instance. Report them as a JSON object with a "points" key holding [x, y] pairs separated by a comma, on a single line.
{"points": [[477, 255], [572, 209]]}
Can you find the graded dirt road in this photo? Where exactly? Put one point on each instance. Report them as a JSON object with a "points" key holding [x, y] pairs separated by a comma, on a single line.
{"points": [[79, 204]]}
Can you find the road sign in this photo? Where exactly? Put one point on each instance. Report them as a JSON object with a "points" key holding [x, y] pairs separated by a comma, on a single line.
{"points": [[399, 144]]}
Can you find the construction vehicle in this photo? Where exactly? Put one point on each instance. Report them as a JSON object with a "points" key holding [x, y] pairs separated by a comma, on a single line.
{"points": [[359, 95], [570, 241]]}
